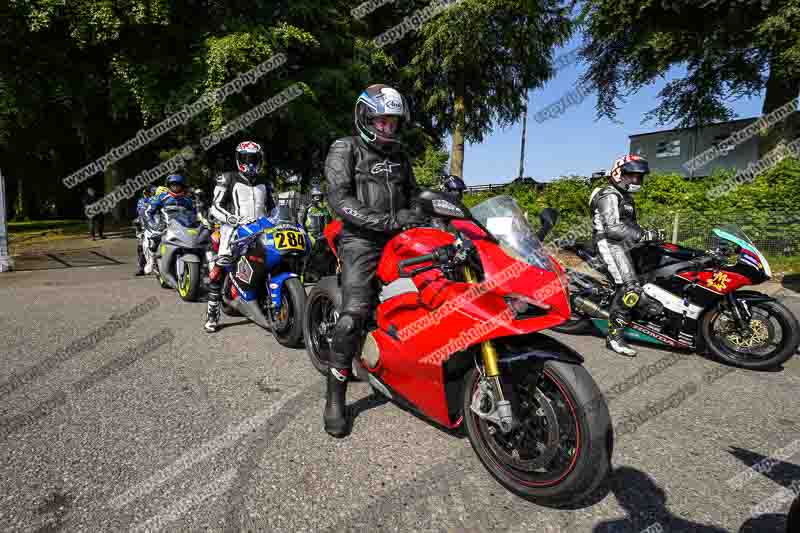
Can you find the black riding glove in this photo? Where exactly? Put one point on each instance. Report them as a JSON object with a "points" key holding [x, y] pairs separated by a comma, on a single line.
{"points": [[407, 218]]}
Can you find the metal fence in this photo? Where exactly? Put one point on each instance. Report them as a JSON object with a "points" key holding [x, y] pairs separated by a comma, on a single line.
{"points": [[486, 188], [775, 233]]}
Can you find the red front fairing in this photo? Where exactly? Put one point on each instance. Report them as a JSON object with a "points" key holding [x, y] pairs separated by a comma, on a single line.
{"points": [[719, 282], [412, 357]]}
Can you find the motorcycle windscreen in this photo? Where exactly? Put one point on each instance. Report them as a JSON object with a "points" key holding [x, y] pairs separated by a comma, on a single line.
{"points": [[182, 216], [507, 223], [737, 236]]}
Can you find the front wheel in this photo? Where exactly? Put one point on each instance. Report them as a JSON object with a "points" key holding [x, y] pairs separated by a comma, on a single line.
{"points": [[772, 340], [189, 282], [288, 322], [561, 449]]}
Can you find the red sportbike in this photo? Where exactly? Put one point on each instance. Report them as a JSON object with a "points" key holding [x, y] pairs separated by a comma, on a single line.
{"points": [[456, 339]]}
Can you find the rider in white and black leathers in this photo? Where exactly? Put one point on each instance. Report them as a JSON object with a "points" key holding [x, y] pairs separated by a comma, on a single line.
{"points": [[237, 200], [615, 230]]}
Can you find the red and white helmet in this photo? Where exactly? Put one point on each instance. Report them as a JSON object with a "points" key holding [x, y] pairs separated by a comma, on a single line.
{"points": [[628, 172], [249, 159]]}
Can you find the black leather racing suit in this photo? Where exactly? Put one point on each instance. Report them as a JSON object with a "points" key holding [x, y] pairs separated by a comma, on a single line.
{"points": [[366, 189], [614, 231]]}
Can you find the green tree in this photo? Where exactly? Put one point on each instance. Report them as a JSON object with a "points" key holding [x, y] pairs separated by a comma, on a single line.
{"points": [[730, 49], [429, 166], [473, 63]]}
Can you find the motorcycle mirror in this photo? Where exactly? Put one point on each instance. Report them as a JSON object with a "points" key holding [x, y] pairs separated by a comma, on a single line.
{"points": [[549, 217], [440, 204]]}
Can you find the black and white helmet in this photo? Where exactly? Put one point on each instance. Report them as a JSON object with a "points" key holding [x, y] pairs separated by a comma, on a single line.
{"points": [[380, 101]]}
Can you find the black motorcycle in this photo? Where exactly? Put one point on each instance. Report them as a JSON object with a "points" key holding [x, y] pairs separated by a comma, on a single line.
{"points": [[691, 299]]}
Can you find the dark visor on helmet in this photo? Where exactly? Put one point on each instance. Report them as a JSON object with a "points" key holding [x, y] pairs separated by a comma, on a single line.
{"points": [[250, 159], [638, 167]]}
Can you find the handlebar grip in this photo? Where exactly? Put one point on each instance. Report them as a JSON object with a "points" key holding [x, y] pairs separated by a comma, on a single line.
{"points": [[414, 261]]}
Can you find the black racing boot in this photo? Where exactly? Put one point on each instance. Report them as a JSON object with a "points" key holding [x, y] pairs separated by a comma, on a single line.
{"points": [[615, 341], [335, 416]]}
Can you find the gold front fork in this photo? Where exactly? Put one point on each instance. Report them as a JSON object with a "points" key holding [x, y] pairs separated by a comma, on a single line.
{"points": [[487, 348], [500, 411]]}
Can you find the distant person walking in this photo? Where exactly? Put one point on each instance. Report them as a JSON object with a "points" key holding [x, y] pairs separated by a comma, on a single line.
{"points": [[97, 221]]}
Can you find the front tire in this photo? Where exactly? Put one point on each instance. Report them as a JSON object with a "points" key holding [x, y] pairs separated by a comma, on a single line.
{"points": [[289, 324], [724, 343], [563, 448], [189, 282]]}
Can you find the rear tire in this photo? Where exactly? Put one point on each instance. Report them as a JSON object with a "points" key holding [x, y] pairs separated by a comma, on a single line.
{"points": [[585, 448], [323, 300], [294, 298]]}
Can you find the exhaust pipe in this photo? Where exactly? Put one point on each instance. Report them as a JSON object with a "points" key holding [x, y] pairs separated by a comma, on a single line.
{"points": [[588, 307], [252, 311]]}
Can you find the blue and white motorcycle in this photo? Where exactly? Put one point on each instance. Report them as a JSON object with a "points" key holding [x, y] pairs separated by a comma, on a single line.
{"points": [[263, 284]]}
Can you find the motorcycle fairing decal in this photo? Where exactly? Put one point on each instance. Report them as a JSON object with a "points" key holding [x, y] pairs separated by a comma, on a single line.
{"points": [[750, 261], [278, 280], [245, 294], [658, 336], [244, 271], [716, 284], [750, 258], [719, 281]]}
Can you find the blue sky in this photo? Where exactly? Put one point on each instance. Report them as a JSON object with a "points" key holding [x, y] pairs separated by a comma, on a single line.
{"points": [[573, 143]]}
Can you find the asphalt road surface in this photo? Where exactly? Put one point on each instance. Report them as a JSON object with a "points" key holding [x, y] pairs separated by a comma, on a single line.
{"points": [[120, 413]]}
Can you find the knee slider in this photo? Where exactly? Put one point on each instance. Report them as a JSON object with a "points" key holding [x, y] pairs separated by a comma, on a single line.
{"points": [[346, 335], [631, 296]]}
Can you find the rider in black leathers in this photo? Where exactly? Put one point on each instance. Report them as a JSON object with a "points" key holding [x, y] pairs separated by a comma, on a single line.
{"points": [[372, 188], [615, 230]]}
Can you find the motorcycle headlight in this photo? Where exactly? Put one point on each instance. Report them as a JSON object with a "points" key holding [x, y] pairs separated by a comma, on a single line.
{"points": [[524, 307]]}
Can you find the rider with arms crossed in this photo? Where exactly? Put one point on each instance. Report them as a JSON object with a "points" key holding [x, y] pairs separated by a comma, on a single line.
{"points": [[316, 216], [237, 201], [614, 232], [372, 189]]}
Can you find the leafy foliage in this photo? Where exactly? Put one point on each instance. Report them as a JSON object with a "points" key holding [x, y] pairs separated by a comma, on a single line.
{"points": [[430, 166], [764, 208], [729, 50]]}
